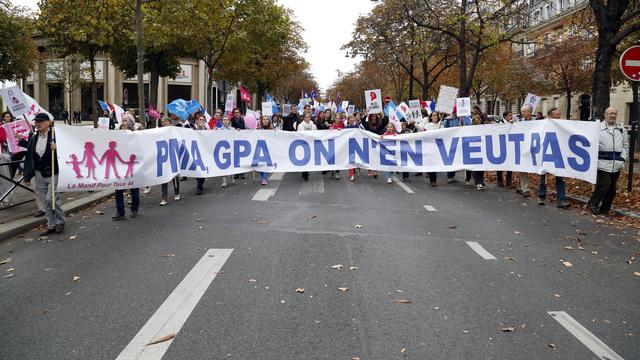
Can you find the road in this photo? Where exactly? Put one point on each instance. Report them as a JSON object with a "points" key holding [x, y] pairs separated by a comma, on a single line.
{"points": [[417, 279]]}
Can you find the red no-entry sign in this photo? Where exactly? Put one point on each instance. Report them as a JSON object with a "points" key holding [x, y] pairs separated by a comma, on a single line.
{"points": [[630, 63]]}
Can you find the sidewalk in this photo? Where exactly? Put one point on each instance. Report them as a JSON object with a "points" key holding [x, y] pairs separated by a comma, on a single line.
{"points": [[18, 219]]}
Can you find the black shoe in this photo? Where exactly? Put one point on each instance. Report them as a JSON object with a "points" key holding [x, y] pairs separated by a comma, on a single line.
{"points": [[527, 194], [47, 232], [594, 210], [59, 228], [199, 192], [117, 217], [564, 205], [134, 214], [242, 176], [541, 201], [38, 213]]}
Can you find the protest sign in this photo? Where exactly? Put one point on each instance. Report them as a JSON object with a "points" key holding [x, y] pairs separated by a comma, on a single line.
{"points": [[21, 128], [563, 148], [351, 109], [267, 108], [403, 110], [415, 110], [373, 99], [15, 101], [103, 122], [463, 106], [446, 99], [229, 104], [532, 100], [286, 110]]}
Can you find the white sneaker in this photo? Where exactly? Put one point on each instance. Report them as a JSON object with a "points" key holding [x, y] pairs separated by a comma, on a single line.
{"points": [[233, 181], [389, 180], [147, 190], [224, 182], [480, 187], [163, 203], [352, 178], [467, 183], [177, 197], [337, 176]]}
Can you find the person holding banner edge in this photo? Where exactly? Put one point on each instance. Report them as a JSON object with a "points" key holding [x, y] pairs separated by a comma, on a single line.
{"points": [[526, 112], [561, 201], [41, 163], [127, 124], [306, 125]]}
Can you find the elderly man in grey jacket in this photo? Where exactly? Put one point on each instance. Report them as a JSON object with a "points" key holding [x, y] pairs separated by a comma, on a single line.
{"points": [[613, 151]]}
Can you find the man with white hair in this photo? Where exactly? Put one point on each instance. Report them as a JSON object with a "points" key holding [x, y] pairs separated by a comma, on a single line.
{"points": [[526, 112], [613, 151]]}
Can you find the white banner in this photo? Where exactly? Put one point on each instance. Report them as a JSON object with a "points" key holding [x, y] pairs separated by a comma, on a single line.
{"points": [[123, 159]]}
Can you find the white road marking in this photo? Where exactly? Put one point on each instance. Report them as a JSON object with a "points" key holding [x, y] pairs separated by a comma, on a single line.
{"points": [[430, 208], [402, 185], [589, 340], [480, 250], [276, 176], [312, 187], [175, 310], [263, 194]]}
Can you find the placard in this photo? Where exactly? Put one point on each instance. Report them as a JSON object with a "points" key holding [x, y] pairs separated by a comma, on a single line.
{"points": [[446, 99], [103, 122], [415, 110], [15, 101], [463, 106], [532, 100], [267, 108], [22, 128], [373, 99], [229, 104]]}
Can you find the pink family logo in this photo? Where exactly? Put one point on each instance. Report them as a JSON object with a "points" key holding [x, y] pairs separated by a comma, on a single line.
{"points": [[109, 157]]}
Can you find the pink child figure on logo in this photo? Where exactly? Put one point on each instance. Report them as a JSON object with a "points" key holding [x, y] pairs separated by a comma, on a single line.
{"points": [[76, 165], [132, 160], [110, 156], [88, 156]]}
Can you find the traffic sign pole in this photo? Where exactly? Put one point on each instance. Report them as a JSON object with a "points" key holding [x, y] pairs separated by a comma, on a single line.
{"points": [[630, 67]]}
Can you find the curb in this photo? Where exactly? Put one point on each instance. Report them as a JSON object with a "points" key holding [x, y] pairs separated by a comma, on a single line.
{"points": [[20, 226], [584, 200]]}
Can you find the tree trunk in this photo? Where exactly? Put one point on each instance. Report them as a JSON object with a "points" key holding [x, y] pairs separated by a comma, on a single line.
{"points": [[411, 78], [425, 78], [154, 80], [140, 51], [94, 92], [464, 90], [212, 103], [601, 85], [568, 104]]}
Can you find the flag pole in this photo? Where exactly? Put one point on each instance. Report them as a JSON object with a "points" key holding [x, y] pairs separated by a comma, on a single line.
{"points": [[53, 168]]}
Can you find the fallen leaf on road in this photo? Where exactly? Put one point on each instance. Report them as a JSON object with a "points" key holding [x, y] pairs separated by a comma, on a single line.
{"points": [[10, 270], [568, 247], [6, 261], [403, 350], [99, 212], [76, 278], [300, 290], [168, 255], [337, 266], [311, 217], [402, 301], [566, 263], [351, 268], [510, 258], [67, 294], [517, 232], [553, 346], [9, 276], [465, 331], [162, 339], [283, 301], [343, 289], [358, 226], [509, 328], [637, 273], [453, 226], [557, 296], [263, 222], [253, 280]]}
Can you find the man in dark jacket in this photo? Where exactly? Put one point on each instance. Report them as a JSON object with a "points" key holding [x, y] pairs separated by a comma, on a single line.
{"points": [[237, 121], [291, 120], [40, 163]]}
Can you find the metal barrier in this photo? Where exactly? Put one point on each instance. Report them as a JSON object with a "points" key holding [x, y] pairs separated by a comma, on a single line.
{"points": [[16, 184]]}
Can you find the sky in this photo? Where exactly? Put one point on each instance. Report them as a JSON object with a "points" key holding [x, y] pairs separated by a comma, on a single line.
{"points": [[327, 24]]}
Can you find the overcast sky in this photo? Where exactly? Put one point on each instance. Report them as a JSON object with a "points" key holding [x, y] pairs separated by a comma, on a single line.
{"points": [[327, 26]]}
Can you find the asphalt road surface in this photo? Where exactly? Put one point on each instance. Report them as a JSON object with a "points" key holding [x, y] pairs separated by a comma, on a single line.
{"points": [[325, 269]]}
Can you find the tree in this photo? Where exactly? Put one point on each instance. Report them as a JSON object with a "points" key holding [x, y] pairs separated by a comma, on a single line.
{"points": [[615, 21], [351, 86], [568, 66], [473, 26], [17, 49], [266, 48], [83, 27], [290, 88], [162, 48]]}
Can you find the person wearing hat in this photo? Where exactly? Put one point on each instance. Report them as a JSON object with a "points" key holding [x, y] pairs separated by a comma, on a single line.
{"points": [[41, 164]]}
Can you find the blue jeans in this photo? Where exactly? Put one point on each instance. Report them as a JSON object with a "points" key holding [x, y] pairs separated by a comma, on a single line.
{"points": [[560, 188], [264, 176], [451, 175], [135, 200]]}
